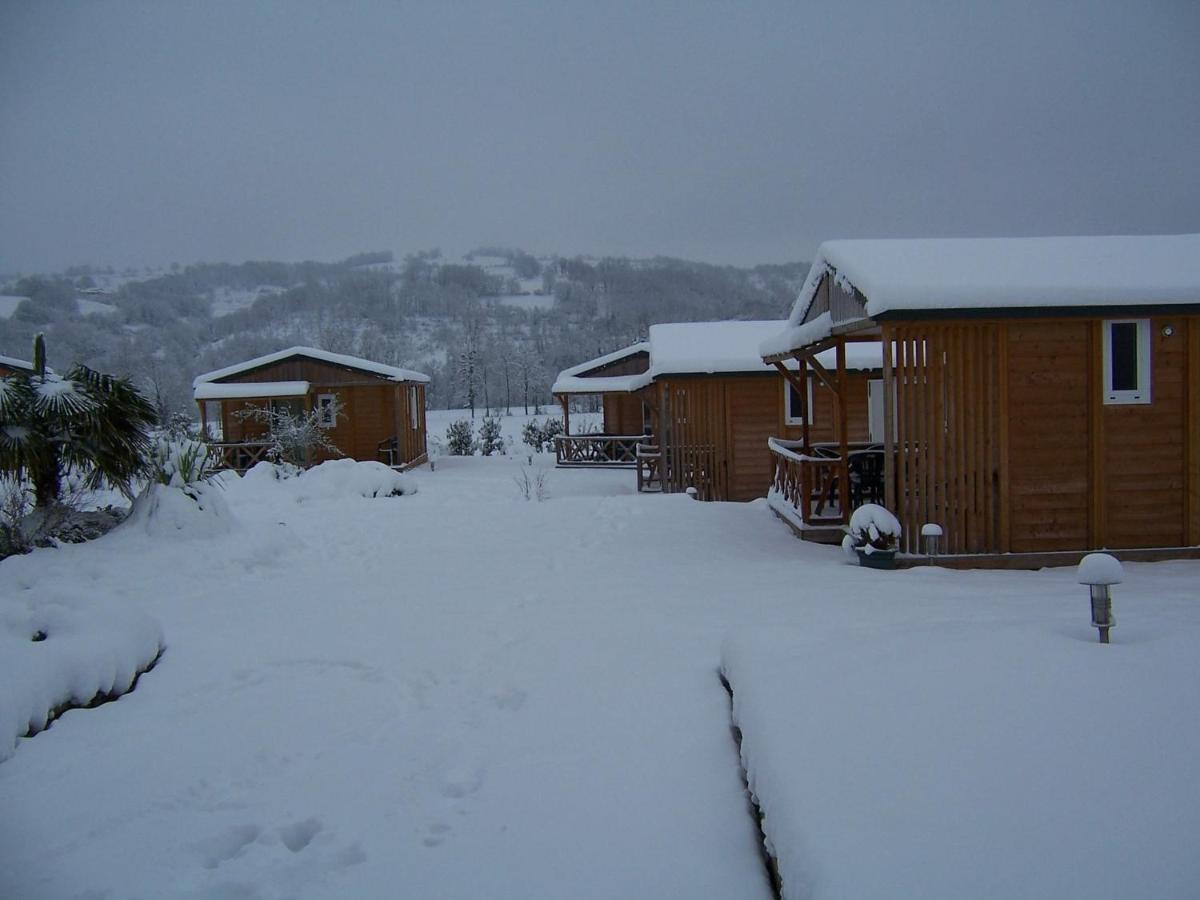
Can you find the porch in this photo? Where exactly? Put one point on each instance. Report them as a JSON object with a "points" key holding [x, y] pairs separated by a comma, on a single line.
{"points": [[586, 450]]}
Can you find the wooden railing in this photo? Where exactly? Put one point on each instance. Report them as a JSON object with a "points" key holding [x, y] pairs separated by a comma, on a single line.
{"points": [[649, 468], [618, 451], [807, 482], [240, 456]]}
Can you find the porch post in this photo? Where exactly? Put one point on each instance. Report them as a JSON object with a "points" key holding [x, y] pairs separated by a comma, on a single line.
{"points": [[843, 432], [203, 419], [565, 401], [807, 413]]}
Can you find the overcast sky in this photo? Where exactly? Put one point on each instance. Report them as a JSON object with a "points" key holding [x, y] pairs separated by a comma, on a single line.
{"points": [[136, 133]]}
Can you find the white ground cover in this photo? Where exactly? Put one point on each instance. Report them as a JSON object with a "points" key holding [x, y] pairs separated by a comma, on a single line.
{"points": [[458, 692], [993, 750]]}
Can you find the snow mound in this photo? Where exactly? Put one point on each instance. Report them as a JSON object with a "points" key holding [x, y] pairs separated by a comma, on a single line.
{"points": [[1100, 568], [350, 478], [196, 510], [873, 526], [59, 654]]}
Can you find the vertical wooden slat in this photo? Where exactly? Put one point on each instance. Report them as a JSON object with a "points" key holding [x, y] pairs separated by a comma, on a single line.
{"points": [[955, 468], [908, 448], [843, 432], [1097, 512], [1192, 429], [1004, 538], [970, 414], [924, 421], [978, 469], [963, 458], [889, 419], [989, 456]]}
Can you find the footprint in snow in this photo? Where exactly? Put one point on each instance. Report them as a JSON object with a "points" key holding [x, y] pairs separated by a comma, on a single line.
{"points": [[461, 780], [510, 699], [435, 833], [299, 835], [230, 844]]}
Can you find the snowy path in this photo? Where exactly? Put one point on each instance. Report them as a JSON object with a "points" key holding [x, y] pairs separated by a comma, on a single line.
{"points": [[457, 693]]}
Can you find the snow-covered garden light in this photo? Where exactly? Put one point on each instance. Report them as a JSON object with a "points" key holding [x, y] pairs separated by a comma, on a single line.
{"points": [[1100, 572], [931, 531]]}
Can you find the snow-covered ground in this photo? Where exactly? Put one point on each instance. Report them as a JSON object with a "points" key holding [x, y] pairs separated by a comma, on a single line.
{"points": [[460, 692]]}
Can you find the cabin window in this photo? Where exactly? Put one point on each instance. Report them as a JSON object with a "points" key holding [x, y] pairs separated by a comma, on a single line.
{"points": [[326, 403], [414, 408], [794, 409], [1127, 361]]}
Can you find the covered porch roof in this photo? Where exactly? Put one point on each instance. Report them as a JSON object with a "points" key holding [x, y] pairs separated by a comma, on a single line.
{"points": [[250, 390]]}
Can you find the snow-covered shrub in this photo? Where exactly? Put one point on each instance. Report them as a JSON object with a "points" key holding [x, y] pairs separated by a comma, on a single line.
{"points": [[339, 478], [295, 438], [532, 488], [183, 511], [873, 528], [460, 439], [180, 462], [490, 439], [541, 436]]}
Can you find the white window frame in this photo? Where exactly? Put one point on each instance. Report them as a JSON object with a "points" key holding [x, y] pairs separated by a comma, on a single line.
{"points": [[788, 418], [326, 420], [1140, 394], [414, 414]]}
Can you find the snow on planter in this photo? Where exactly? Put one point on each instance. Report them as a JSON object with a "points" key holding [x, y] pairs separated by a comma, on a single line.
{"points": [[955, 762], [59, 655], [872, 527]]}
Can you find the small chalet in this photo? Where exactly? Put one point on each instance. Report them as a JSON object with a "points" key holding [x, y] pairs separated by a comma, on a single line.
{"points": [[11, 366], [1038, 394], [382, 407], [695, 406]]}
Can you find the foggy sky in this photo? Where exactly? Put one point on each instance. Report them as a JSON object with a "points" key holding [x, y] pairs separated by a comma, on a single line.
{"points": [[146, 133]]}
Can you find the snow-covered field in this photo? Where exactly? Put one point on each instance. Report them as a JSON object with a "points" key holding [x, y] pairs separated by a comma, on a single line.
{"points": [[459, 692], [9, 304]]}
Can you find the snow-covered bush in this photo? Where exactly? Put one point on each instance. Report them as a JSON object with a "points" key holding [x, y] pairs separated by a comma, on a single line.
{"points": [[541, 436], [873, 528], [460, 439], [490, 438], [180, 462], [296, 437], [339, 478]]}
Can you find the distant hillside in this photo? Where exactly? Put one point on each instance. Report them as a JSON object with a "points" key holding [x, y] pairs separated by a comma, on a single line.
{"points": [[516, 317]]}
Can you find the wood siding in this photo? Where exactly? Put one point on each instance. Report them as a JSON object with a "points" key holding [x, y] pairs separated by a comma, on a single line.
{"points": [[1004, 439], [623, 414], [718, 428]]}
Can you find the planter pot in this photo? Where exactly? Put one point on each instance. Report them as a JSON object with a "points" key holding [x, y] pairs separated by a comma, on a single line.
{"points": [[877, 559]]}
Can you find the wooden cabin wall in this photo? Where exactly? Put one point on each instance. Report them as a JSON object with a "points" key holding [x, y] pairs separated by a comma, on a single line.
{"points": [[303, 369], [753, 415], [623, 414], [1051, 396], [411, 440], [1144, 481], [694, 446], [823, 427], [1004, 440]]}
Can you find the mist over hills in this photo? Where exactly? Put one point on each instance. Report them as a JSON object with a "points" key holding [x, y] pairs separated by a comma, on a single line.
{"points": [[516, 317]]}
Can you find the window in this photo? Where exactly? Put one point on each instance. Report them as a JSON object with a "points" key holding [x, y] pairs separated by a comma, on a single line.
{"points": [[1127, 361], [794, 411], [414, 407], [326, 404]]}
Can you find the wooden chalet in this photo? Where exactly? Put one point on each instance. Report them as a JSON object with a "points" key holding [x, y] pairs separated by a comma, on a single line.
{"points": [[618, 378], [12, 366], [708, 407], [1039, 395], [382, 407]]}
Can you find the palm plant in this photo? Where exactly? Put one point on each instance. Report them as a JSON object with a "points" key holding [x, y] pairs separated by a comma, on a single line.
{"points": [[89, 422]]}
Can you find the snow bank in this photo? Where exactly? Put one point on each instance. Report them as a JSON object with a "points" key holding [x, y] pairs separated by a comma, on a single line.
{"points": [[193, 511], [331, 480], [971, 761], [60, 654]]}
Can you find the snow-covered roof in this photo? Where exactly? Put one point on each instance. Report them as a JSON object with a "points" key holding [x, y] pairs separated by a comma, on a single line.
{"points": [[243, 390], [13, 363], [689, 348], [683, 348], [573, 381], [392, 372], [950, 274]]}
